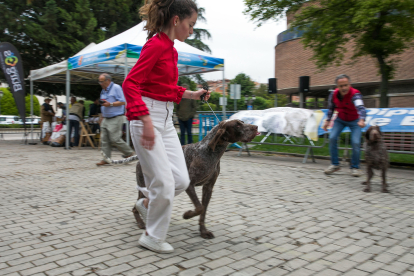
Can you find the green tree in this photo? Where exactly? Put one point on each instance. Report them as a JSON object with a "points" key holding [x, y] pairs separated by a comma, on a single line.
{"points": [[261, 103], [247, 85], [381, 29], [263, 91], [48, 31], [8, 105], [187, 81], [36, 106]]}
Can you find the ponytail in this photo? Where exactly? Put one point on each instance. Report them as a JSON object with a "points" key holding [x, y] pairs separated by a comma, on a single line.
{"points": [[158, 13]]}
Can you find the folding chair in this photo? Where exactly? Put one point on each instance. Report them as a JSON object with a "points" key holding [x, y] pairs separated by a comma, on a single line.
{"points": [[85, 135]]}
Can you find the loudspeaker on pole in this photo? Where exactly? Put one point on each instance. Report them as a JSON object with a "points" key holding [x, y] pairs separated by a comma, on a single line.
{"points": [[272, 86], [304, 84]]}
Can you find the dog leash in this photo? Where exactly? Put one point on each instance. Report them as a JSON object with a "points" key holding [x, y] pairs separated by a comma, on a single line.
{"points": [[205, 87]]}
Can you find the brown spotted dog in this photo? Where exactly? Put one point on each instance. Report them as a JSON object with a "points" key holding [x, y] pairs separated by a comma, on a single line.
{"points": [[203, 163], [376, 157]]}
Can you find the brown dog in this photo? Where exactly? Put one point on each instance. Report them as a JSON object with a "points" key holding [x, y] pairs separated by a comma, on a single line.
{"points": [[203, 163], [376, 156]]}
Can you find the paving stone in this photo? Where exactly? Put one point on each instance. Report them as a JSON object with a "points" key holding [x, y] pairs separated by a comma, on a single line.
{"points": [[198, 270], [343, 265], [224, 270], [383, 273], [328, 272], [169, 270], [250, 271], [193, 262], [218, 263], [319, 265], [356, 272], [396, 267], [276, 271], [269, 264], [408, 258], [370, 266], [140, 270]]}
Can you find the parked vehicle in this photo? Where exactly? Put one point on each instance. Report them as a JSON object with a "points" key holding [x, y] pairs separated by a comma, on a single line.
{"points": [[9, 120], [29, 121]]}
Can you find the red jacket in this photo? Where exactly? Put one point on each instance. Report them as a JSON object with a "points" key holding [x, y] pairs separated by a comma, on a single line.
{"points": [[345, 107], [155, 75]]}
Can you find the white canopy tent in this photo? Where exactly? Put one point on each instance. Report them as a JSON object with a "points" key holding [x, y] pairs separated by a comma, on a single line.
{"points": [[117, 56]]}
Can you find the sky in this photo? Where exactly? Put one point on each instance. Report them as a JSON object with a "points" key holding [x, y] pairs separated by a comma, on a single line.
{"points": [[245, 48]]}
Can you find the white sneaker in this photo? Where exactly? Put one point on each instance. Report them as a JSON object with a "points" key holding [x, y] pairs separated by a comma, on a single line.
{"points": [[141, 209], [155, 244], [356, 172], [331, 169]]}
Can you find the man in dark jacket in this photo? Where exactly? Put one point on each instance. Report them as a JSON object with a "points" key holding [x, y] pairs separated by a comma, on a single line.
{"points": [[347, 101], [185, 113]]}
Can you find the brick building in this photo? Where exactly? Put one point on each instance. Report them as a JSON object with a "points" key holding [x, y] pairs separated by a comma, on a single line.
{"points": [[293, 61]]}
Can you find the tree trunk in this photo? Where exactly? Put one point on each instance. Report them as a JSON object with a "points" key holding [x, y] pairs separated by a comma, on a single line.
{"points": [[385, 70]]}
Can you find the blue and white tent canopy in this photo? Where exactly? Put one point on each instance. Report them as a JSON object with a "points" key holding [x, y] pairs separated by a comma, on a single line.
{"points": [[122, 51]]}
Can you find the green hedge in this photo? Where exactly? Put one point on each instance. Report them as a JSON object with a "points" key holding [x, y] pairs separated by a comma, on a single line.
{"points": [[18, 126], [8, 106]]}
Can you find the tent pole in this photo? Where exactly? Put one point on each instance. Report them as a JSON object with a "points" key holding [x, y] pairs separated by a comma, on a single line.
{"points": [[67, 143], [125, 75], [31, 107], [224, 96]]}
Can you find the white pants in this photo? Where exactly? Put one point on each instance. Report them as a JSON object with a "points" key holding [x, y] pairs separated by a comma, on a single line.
{"points": [[164, 168]]}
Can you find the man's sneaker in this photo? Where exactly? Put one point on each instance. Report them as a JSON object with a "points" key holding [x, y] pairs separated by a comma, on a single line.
{"points": [[155, 245], [331, 169], [141, 209], [356, 172]]}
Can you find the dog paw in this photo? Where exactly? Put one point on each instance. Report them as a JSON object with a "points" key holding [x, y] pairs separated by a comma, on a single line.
{"points": [[188, 214], [207, 235], [367, 190], [385, 191]]}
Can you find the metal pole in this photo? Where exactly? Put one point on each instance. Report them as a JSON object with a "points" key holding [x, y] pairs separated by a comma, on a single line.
{"points": [[67, 143], [125, 75], [275, 100], [31, 107], [301, 99], [224, 96]]}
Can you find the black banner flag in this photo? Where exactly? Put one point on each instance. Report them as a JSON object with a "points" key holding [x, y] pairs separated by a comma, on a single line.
{"points": [[12, 65]]}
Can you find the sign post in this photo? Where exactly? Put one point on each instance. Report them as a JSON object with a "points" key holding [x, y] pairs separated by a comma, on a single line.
{"points": [[235, 94]]}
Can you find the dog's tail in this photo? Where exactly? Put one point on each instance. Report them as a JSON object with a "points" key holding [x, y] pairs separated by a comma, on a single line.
{"points": [[118, 162]]}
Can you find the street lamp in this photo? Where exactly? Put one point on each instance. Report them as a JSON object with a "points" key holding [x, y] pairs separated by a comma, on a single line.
{"points": [[1, 96]]}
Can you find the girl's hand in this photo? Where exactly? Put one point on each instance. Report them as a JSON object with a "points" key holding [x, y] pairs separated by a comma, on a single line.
{"points": [[200, 92], [148, 136]]}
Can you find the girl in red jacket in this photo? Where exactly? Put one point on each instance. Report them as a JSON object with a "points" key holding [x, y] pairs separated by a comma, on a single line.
{"points": [[150, 90]]}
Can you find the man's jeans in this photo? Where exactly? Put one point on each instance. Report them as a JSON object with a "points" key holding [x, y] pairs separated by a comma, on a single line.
{"points": [[74, 124], [185, 126], [356, 132]]}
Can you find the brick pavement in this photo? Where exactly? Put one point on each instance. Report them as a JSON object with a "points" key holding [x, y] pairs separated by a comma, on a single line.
{"points": [[271, 215]]}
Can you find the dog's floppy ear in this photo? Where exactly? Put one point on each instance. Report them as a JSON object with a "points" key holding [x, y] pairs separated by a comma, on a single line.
{"points": [[367, 133], [379, 131], [220, 135]]}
